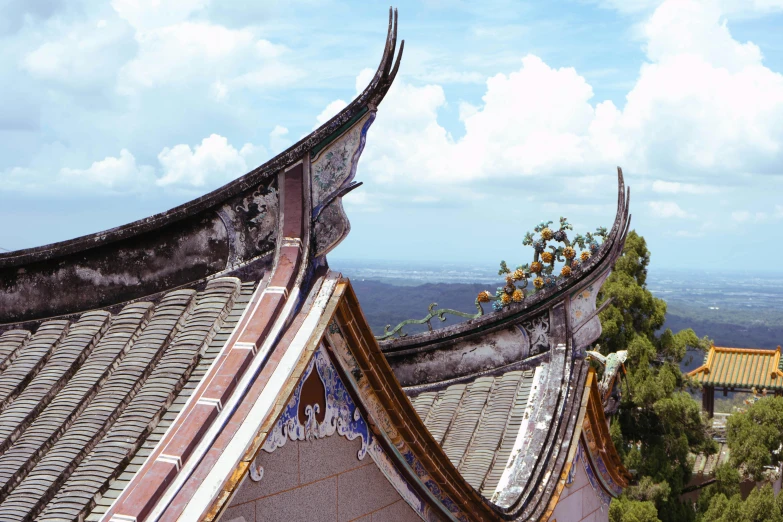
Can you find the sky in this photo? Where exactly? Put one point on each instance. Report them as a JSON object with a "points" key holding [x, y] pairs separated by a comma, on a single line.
{"points": [[503, 114]]}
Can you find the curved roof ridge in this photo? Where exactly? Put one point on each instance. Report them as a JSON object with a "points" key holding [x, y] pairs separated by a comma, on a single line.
{"points": [[371, 96]]}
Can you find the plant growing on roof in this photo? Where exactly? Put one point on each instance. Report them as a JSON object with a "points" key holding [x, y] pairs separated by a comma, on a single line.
{"points": [[551, 247]]}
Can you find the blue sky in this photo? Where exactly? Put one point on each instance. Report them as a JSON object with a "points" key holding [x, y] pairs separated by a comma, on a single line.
{"points": [[503, 114]]}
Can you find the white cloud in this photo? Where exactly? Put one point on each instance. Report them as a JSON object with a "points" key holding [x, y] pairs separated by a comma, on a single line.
{"points": [[205, 166], [704, 105], [211, 163], [267, 49], [667, 209], [111, 173], [188, 52], [331, 110], [82, 56]]}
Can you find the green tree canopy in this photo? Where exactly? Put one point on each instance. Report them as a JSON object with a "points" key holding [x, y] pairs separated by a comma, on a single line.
{"points": [[625, 510], [755, 436], [760, 506], [658, 423], [727, 481]]}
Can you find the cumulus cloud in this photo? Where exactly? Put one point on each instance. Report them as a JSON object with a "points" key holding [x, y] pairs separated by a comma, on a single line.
{"points": [[211, 163], [84, 56], [111, 173], [205, 166], [703, 105], [330, 111], [667, 209], [183, 53]]}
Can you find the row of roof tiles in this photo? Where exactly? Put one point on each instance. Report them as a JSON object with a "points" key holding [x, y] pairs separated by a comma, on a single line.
{"points": [[477, 424], [77, 400]]}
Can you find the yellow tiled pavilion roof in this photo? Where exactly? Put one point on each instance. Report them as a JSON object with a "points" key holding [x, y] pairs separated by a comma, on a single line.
{"points": [[741, 368]]}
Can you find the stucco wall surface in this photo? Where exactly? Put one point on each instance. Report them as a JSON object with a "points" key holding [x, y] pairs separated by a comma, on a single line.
{"points": [[580, 502], [321, 479]]}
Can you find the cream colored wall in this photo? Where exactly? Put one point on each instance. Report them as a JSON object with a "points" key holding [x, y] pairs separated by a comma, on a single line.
{"points": [[580, 502], [320, 480]]}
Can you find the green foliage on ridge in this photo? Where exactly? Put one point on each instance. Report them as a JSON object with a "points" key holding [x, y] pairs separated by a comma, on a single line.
{"points": [[760, 506], [658, 423], [755, 436]]}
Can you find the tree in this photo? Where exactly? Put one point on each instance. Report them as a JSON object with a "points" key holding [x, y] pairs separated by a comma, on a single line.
{"points": [[658, 423], [755, 436], [727, 482], [624, 510], [760, 506]]}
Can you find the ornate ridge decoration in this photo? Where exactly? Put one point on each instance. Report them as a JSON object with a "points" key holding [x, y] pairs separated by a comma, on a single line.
{"points": [[251, 223], [380, 419], [605, 465], [611, 364], [433, 312], [341, 416], [542, 269], [537, 330], [333, 171], [606, 498], [334, 168]]}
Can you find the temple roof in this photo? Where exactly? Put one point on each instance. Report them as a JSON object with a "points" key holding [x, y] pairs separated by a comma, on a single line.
{"points": [[477, 423], [741, 368], [505, 394], [143, 368], [82, 398], [705, 464]]}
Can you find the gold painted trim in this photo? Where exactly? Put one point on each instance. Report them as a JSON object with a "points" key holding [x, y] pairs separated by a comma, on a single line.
{"points": [[221, 502], [561, 483]]}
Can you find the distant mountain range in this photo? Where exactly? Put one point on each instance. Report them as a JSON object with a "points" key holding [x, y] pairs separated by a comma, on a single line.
{"points": [[738, 311]]}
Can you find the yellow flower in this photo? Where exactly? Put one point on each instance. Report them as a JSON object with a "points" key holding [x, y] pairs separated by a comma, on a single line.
{"points": [[547, 257], [538, 282], [569, 253], [517, 296], [505, 299], [585, 255], [536, 267], [546, 234], [566, 271], [484, 297], [575, 264], [518, 274]]}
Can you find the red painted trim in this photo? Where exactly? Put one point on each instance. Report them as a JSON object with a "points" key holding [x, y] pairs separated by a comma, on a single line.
{"points": [[184, 495], [155, 476]]}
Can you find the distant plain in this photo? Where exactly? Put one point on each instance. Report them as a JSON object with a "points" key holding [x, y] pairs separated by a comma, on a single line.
{"points": [[737, 310]]}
